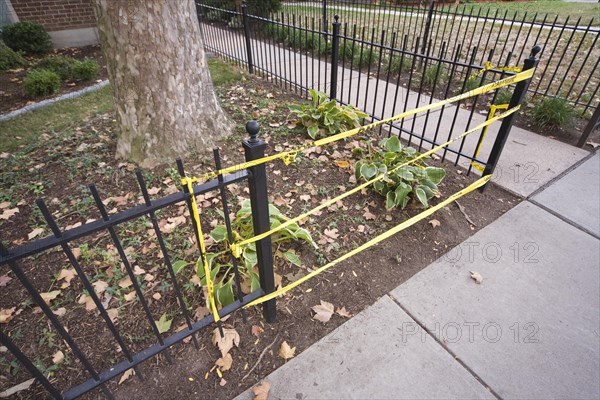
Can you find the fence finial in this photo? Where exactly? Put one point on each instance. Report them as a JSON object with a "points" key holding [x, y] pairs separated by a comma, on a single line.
{"points": [[337, 18], [535, 51], [252, 128]]}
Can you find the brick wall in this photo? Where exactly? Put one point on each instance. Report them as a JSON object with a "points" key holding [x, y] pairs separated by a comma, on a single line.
{"points": [[56, 15]]}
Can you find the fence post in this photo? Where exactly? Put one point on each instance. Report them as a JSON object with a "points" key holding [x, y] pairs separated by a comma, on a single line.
{"points": [[254, 149], [592, 124], [517, 98], [325, 19], [335, 55], [427, 26], [247, 37]]}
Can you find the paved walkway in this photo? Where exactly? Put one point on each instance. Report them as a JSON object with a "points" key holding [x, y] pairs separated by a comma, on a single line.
{"points": [[529, 330]]}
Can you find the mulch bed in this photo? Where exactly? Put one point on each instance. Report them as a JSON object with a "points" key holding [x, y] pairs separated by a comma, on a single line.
{"points": [[58, 170], [12, 95]]}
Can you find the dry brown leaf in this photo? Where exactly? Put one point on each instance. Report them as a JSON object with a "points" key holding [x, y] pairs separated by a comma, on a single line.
{"points": [[126, 375], [343, 313], [476, 277], [201, 312], [113, 314], [6, 214], [125, 283], [225, 343], [130, 296], [156, 296], [100, 286], [261, 391], [285, 351], [149, 277], [368, 215], [323, 311], [59, 312], [4, 279], [153, 190], [137, 270], [224, 363], [257, 330], [49, 296], [434, 223], [223, 382], [67, 275], [58, 357], [332, 233], [6, 314], [34, 233]]}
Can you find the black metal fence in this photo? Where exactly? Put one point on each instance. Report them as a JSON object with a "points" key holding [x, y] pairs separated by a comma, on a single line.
{"points": [[431, 51], [256, 178]]}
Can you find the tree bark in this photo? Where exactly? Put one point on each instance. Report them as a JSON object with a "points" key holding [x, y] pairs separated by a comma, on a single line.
{"points": [[164, 98]]}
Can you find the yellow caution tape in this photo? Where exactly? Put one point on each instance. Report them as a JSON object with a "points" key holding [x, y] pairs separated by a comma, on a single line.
{"points": [[236, 248], [409, 222], [489, 66], [491, 113], [196, 215], [288, 155]]}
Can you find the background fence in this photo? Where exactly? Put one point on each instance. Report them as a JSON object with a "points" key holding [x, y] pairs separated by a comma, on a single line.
{"points": [[431, 50]]}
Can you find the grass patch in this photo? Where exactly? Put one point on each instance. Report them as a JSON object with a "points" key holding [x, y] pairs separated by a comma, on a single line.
{"points": [[223, 73]]}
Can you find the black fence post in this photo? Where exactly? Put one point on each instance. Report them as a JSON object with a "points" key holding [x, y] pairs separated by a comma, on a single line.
{"points": [[325, 20], [517, 98], [592, 124], [254, 149], [427, 26], [246, 23], [335, 57]]}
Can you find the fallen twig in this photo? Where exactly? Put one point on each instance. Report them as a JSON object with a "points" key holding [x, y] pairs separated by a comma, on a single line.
{"points": [[260, 357], [462, 210]]}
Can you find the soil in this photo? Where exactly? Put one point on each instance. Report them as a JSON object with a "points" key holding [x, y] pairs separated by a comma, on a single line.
{"points": [[57, 170], [12, 95]]}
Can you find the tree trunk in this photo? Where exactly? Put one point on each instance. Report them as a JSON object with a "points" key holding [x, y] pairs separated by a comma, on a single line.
{"points": [[163, 92]]}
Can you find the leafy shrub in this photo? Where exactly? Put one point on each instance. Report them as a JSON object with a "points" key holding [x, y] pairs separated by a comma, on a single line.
{"points": [[368, 56], [85, 70], [434, 74], [62, 65], [472, 83], [399, 182], [10, 59], [503, 96], [396, 64], [220, 262], [553, 113], [324, 117], [26, 36], [41, 82]]}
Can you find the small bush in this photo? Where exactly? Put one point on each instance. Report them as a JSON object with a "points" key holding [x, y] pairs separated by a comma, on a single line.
{"points": [[553, 113], [503, 96], [41, 82], [85, 70], [28, 37], [434, 75], [472, 84], [10, 59], [368, 56], [62, 65], [396, 64]]}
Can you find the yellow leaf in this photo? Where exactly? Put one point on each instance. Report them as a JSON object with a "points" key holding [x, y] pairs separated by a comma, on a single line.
{"points": [[163, 324], [286, 352]]}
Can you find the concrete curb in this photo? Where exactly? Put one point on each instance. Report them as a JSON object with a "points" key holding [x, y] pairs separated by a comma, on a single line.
{"points": [[44, 103]]}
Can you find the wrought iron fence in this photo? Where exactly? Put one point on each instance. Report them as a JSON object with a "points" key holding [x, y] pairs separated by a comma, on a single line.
{"points": [[293, 47], [61, 241]]}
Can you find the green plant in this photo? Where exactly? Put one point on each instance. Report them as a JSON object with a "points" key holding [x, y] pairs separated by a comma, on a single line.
{"points": [[365, 57], [553, 113], [503, 96], [85, 70], [399, 180], [62, 65], [323, 117], [472, 83], [10, 59], [434, 74], [27, 36], [396, 65], [220, 262], [41, 82]]}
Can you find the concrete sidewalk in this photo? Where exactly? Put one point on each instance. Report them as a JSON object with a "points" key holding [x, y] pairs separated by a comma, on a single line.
{"points": [[529, 330]]}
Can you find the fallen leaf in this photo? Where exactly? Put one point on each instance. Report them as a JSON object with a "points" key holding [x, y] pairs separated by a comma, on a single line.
{"points": [[163, 324], [6, 314], [137, 270], [58, 357], [156, 296], [223, 382], [4, 279], [286, 352], [126, 375], [34, 233], [87, 300], [153, 190], [113, 314], [476, 277], [49, 296], [343, 313], [201, 311], [434, 223], [125, 283], [342, 164], [130, 296], [6, 214], [149, 277], [257, 330], [59, 312], [368, 215], [100, 286], [593, 144], [17, 388], [224, 363], [323, 311], [332, 233], [67, 275], [225, 343], [261, 391]]}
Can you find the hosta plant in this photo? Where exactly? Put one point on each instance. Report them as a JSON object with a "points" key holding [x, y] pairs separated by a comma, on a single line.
{"points": [[220, 262], [323, 117], [400, 182]]}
